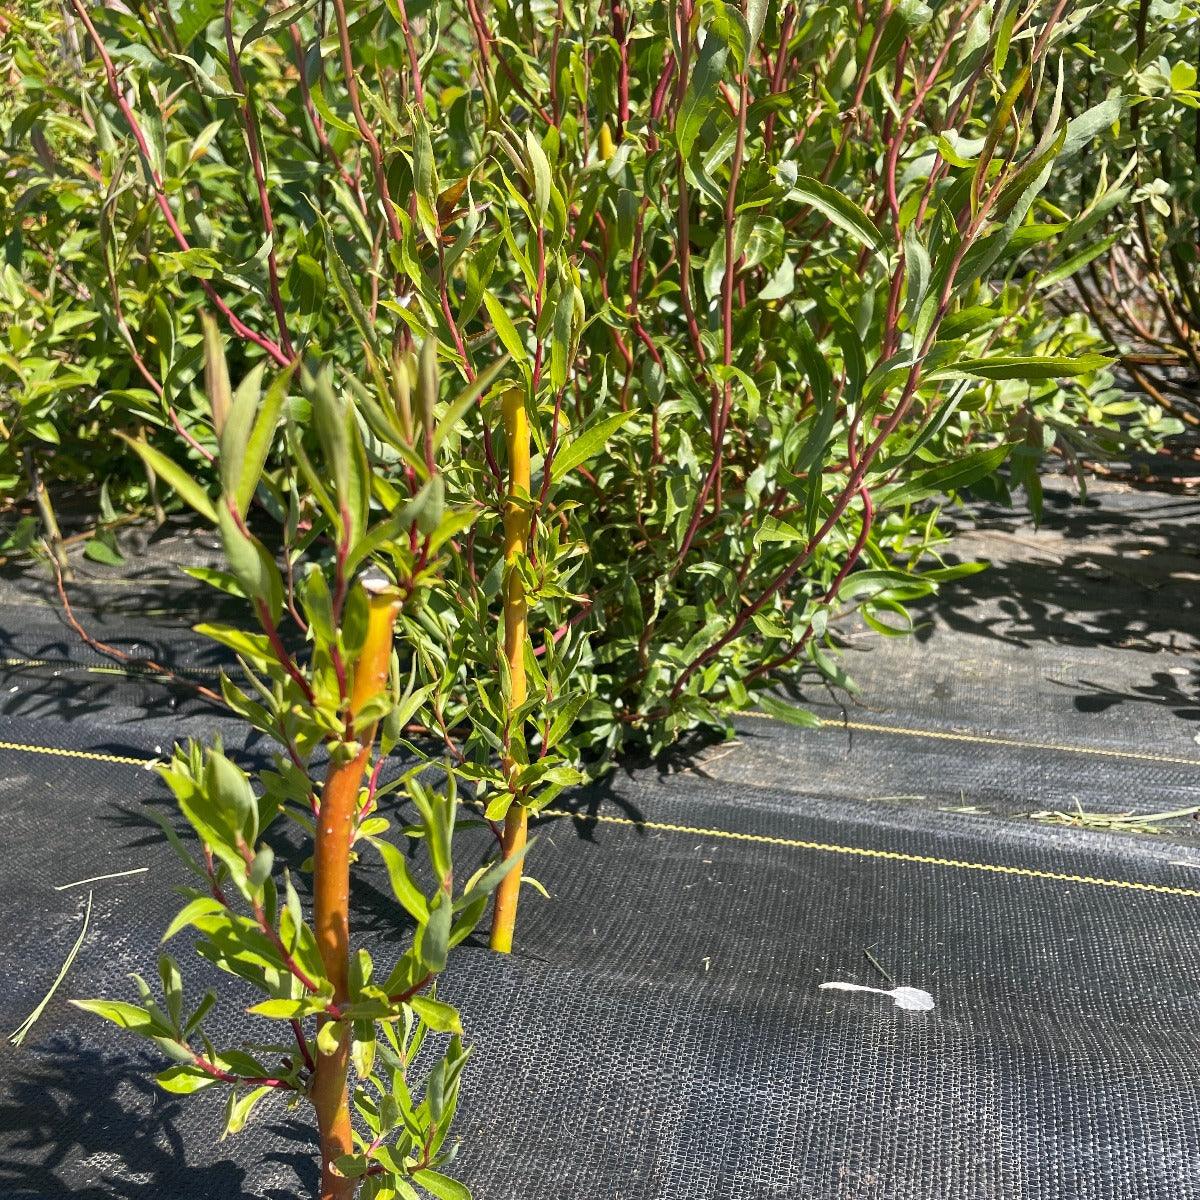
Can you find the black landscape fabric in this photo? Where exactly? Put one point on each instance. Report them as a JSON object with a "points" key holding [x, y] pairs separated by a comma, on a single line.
{"points": [[662, 1032]]}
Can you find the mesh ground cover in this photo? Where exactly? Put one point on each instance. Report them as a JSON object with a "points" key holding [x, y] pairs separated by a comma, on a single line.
{"points": [[662, 1034]]}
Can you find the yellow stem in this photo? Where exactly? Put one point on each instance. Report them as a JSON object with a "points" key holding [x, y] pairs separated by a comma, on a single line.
{"points": [[516, 537], [504, 919]]}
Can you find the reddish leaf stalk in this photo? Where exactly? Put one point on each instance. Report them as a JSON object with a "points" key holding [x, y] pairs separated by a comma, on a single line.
{"points": [[721, 421], [249, 118], [239, 327], [364, 127], [621, 37]]}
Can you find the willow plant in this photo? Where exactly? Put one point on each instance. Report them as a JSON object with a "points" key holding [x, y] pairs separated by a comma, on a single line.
{"points": [[1133, 262], [771, 276], [352, 1031]]}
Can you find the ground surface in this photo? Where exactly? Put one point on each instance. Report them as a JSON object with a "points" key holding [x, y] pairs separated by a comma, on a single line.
{"points": [[661, 1034]]}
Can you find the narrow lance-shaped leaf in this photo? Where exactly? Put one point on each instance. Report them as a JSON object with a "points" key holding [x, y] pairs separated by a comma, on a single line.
{"points": [[216, 374], [1031, 367], [458, 407], [506, 331], [949, 477], [701, 95], [587, 445], [834, 206], [174, 476], [258, 444]]}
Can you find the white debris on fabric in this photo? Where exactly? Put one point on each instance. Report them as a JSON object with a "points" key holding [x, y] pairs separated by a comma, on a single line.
{"points": [[19, 1034], [62, 887], [910, 999]]}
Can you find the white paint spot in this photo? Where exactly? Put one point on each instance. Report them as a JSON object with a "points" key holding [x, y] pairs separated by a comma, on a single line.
{"points": [[910, 999]]}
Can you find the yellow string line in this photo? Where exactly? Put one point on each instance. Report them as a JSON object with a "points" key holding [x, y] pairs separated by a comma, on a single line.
{"points": [[985, 739], [889, 855], [993, 740], [95, 669], [731, 835], [91, 755]]}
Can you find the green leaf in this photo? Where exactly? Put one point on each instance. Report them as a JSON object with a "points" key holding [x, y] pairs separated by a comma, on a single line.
{"points": [[174, 476], [216, 374], [773, 529], [1077, 261], [452, 524], [1004, 32], [439, 1016], [489, 881], [425, 177], [433, 939], [587, 445], [227, 786], [240, 1107], [918, 271], [560, 343], [183, 1080], [253, 646], [949, 477], [330, 419], [836, 206], [280, 1009], [235, 432], [127, 1016], [204, 139], [871, 582], [565, 718], [424, 510], [465, 399], [102, 549], [1083, 128], [258, 443], [702, 93], [404, 887], [201, 906], [726, 22], [506, 331], [194, 17], [441, 1186], [775, 707], [327, 1037], [270, 21], [539, 173], [253, 567], [345, 284], [756, 18], [1031, 367]]}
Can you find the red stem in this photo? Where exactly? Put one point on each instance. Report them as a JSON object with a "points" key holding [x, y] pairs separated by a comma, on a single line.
{"points": [[239, 327], [254, 145]]}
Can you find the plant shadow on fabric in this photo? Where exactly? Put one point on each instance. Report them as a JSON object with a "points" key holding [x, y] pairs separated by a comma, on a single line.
{"points": [[1108, 590], [71, 1104]]}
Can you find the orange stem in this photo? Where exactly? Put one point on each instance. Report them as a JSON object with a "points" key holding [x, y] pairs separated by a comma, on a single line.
{"points": [[331, 889]]}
